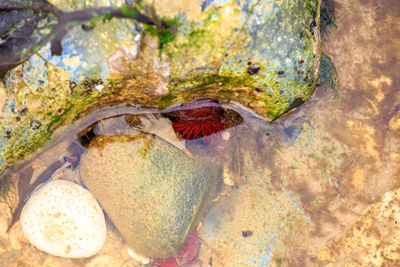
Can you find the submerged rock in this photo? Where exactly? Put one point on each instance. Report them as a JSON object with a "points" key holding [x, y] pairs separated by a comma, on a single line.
{"points": [[152, 191], [64, 219]]}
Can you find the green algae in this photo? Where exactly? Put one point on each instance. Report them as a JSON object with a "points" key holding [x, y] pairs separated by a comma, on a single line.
{"points": [[26, 138], [165, 35]]}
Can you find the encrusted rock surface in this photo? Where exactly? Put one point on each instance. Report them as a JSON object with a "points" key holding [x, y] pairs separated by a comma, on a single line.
{"points": [[153, 193]]}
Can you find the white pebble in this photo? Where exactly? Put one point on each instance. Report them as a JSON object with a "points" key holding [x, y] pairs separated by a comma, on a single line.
{"points": [[64, 219]]}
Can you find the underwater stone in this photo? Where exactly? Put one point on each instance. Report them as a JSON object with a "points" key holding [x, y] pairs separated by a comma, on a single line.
{"points": [[153, 193], [64, 219]]}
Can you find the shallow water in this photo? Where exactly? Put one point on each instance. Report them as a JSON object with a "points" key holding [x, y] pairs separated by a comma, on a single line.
{"points": [[317, 187], [60, 158]]}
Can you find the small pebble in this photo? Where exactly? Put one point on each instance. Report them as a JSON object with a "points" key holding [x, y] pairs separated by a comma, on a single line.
{"points": [[64, 219]]}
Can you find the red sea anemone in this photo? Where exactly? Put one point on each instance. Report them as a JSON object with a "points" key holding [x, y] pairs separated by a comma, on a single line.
{"points": [[197, 119]]}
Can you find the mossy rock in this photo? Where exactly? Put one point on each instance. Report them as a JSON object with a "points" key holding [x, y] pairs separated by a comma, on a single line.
{"points": [[264, 55], [153, 193]]}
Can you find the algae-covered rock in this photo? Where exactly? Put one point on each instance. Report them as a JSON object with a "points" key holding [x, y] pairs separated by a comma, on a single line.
{"points": [[153, 193], [47, 90], [262, 54]]}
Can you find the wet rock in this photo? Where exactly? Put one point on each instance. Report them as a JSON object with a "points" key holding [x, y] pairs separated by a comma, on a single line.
{"points": [[260, 54], [48, 86], [63, 219], [153, 192]]}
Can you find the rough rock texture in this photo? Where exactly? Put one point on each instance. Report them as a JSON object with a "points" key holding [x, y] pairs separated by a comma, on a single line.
{"points": [[261, 54], [44, 91], [256, 53], [153, 193]]}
